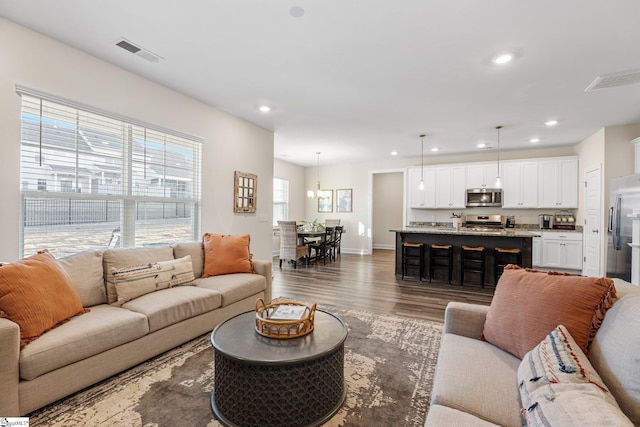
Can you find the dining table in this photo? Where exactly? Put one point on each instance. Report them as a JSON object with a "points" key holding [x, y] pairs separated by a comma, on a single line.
{"points": [[305, 236]]}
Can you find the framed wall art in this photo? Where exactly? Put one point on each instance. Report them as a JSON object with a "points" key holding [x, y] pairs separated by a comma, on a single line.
{"points": [[325, 204], [245, 191], [343, 200]]}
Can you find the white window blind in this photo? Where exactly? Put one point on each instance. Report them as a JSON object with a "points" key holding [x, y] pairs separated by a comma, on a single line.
{"points": [[92, 179], [280, 200]]}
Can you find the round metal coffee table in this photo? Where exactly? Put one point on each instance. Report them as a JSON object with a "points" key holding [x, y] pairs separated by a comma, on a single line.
{"points": [[263, 381]]}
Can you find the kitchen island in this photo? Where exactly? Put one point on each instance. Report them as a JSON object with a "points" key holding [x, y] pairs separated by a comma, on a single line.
{"points": [[490, 239]]}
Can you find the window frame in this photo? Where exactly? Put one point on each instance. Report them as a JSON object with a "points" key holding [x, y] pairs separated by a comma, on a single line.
{"points": [[284, 203], [177, 145]]}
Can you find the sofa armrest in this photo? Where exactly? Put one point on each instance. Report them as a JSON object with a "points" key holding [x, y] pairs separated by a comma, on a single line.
{"points": [[465, 319], [9, 368], [263, 268]]}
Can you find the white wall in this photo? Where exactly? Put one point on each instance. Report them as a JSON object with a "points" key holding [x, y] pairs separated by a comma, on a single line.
{"points": [[611, 148], [33, 60], [297, 187]]}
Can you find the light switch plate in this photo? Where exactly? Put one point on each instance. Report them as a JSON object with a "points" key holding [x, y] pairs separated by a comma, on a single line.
{"points": [[264, 217]]}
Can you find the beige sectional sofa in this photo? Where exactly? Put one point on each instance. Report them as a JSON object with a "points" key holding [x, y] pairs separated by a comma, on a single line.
{"points": [[109, 339], [476, 382]]}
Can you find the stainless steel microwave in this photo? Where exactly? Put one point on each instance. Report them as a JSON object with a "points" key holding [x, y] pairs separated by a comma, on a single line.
{"points": [[484, 197]]}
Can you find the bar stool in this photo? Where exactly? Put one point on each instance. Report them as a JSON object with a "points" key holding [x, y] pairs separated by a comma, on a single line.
{"points": [[472, 260], [412, 257], [504, 256], [440, 257]]}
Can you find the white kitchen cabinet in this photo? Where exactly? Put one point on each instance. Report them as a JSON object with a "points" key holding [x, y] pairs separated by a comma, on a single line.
{"points": [[520, 184], [562, 250], [558, 183], [422, 199], [451, 187], [482, 175], [536, 260]]}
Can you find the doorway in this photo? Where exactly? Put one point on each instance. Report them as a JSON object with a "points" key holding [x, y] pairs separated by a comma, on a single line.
{"points": [[387, 207]]}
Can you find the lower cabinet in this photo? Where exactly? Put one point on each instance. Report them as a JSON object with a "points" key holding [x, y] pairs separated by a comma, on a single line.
{"points": [[561, 250], [536, 259]]}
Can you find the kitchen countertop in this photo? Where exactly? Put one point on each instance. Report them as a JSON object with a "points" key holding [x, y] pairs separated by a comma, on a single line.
{"points": [[511, 232]]}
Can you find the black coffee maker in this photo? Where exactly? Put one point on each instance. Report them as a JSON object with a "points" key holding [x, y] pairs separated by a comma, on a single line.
{"points": [[511, 222], [545, 221]]}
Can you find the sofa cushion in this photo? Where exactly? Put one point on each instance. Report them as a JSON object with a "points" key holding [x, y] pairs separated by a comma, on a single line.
{"points": [[615, 351], [226, 254], [123, 258], [169, 306], [85, 271], [439, 416], [558, 386], [528, 304], [476, 377], [36, 293], [234, 287], [196, 250], [136, 281], [103, 328]]}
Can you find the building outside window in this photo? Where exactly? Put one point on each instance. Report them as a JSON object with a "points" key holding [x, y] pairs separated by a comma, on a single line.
{"points": [[280, 200], [87, 174]]}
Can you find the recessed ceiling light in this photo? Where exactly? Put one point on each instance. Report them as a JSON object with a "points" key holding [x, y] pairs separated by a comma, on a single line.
{"points": [[503, 58], [296, 12], [482, 145], [551, 122], [394, 153], [534, 140], [435, 149], [264, 108]]}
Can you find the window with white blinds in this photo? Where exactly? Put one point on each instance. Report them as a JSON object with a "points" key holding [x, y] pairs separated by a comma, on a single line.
{"points": [[280, 200], [92, 179]]}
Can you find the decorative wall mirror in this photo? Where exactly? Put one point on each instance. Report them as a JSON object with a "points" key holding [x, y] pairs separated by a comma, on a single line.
{"points": [[245, 191]]}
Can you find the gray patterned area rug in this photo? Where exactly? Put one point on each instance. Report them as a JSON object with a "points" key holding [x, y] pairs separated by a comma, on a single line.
{"points": [[389, 367]]}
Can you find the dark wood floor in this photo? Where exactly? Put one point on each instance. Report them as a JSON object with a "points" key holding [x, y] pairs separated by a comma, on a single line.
{"points": [[368, 282]]}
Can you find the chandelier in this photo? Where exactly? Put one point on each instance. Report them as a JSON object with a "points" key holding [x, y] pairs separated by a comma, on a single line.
{"points": [[317, 193]]}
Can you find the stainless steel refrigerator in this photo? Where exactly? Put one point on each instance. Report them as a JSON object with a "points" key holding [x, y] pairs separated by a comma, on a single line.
{"points": [[625, 196]]}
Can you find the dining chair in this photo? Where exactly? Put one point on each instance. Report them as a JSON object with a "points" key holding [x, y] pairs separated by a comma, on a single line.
{"points": [[289, 248], [337, 240], [331, 222], [323, 248]]}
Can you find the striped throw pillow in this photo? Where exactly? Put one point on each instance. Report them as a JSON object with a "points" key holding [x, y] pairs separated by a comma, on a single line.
{"points": [[134, 282], [559, 387]]}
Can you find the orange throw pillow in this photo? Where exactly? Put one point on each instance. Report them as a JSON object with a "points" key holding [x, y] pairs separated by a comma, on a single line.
{"points": [[36, 293], [528, 304], [226, 254]]}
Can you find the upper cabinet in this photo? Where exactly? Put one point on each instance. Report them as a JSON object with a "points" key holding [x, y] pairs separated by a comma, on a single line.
{"points": [[482, 175], [520, 184], [451, 185], [526, 184], [422, 199], [558, 183]]}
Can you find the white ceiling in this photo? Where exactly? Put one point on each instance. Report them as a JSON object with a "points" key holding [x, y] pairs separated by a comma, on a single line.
{"points": [[356, 79]]}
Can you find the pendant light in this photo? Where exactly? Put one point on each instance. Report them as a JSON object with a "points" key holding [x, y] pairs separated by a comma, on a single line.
{"points": [[498, 180], [421, 185], [317, 194]]}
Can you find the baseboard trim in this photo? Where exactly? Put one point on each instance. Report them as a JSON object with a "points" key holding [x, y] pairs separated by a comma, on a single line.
{"points": [[387, 247]]}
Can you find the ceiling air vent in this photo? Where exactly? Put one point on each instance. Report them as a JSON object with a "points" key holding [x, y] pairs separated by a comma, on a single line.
{"points": [[139, 51], [615, 79]]}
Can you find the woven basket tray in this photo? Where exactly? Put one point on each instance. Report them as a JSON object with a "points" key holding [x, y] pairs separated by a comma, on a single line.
{"points": [[283, 329]]}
